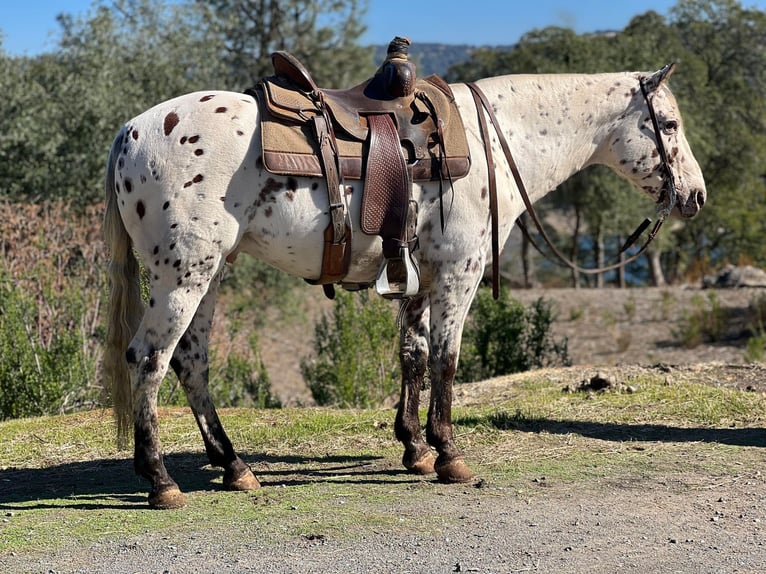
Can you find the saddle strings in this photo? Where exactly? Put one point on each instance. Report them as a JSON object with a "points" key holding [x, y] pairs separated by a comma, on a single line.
{"points": [[439, 123]]}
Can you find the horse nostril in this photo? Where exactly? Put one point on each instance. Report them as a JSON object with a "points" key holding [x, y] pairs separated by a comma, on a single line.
{"points": [[700, 198]]}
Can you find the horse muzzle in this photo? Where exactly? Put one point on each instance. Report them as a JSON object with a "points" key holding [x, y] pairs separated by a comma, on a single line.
{"points": [[694, 202]]}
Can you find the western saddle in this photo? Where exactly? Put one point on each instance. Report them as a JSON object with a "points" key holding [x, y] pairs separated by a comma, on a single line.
{"points": [[389, 131]]}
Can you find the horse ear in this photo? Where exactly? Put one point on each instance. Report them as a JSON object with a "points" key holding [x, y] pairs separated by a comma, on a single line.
{"points": [[656, 80]]}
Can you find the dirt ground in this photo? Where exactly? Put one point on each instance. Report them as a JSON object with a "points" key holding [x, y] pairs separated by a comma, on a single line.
{"points": [[685, 523], [603, 327]]}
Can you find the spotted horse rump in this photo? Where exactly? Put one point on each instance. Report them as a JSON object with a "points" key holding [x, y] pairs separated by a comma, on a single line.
{"points": [[186, 190]]}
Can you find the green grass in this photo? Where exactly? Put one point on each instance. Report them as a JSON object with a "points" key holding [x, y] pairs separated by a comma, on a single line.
{"points": [[337, 472]]}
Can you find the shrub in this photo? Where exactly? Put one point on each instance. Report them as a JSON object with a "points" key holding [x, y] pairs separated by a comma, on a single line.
{"points": [[503, 337], [45, 367], [755, 350], [357, 359], [52, 284], [705, 322], [237, 376]]}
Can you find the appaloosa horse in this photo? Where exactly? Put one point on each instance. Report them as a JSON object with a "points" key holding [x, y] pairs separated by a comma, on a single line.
{"points": [[186, 189]]}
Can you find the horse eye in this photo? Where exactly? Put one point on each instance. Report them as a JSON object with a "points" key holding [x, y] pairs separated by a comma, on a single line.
{"points": [[671, 126]]}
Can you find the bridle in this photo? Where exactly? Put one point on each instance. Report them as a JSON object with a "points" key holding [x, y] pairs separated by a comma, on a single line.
{"points": [[666, 200]]}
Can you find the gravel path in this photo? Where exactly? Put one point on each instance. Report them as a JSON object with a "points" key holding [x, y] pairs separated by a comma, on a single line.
{"points": [[686, 526]]}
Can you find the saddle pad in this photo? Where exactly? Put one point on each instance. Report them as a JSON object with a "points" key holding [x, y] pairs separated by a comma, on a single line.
{"points": [[290, 147]]}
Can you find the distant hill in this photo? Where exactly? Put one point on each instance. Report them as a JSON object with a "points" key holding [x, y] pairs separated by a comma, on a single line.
{"points": [[432, 58]]}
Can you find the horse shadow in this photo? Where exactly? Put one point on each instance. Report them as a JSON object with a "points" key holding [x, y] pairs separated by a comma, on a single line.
{"points": [[112, 484], [620, 432]]}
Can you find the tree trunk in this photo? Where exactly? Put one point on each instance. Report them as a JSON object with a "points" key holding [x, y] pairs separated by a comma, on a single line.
{"points": [[599, 255], [621, 283], [656, 275], [576, 248], [526, 257]]}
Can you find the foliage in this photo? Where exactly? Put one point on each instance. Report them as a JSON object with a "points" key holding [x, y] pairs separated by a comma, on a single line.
{"points": [[239, 377], [62, 109], [755, 349], [503, 337], [249, 279], [720, 84], [705, 322], [49, 310], [322, 34], [356, 362], [42, 364]]}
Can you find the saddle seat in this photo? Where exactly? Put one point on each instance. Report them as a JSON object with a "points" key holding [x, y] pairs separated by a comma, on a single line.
{"points": [[292, 99]]}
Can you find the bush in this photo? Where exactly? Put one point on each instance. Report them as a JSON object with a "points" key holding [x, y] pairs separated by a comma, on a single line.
{"points": [[357, 359], [503, 337], [44, 364], [52, 284], [705, 322], [238, 377]]}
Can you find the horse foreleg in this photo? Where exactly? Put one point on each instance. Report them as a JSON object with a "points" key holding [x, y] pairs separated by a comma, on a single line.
{"points": [[190, 363], [447, 317], [413, 355]]}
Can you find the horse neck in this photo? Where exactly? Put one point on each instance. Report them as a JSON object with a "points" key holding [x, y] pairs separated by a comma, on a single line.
{"points": [[558, 124]]}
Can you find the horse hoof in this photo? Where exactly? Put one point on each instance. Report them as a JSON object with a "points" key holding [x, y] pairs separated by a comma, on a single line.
{"points": [[422, 466], [454, 471], [245, 481], [168, 499]]}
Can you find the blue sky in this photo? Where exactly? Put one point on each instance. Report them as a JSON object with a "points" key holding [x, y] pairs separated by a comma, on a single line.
{"points": [[29, 28]]}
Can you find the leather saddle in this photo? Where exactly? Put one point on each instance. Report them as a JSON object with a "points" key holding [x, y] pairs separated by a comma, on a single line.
{"points": [[389, 131]]}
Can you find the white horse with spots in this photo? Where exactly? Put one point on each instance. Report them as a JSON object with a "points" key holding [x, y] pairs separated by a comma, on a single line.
{"points": [[186, 190]]}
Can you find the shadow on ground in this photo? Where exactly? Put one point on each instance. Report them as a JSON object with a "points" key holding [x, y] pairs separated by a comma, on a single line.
{"points": [[111, 483], [620, 432]]}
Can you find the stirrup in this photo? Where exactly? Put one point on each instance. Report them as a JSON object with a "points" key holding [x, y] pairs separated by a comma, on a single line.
{"points": [[399, 289]]}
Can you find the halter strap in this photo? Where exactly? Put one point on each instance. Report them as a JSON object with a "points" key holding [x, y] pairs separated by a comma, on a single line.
{"points": [[481, 101]]}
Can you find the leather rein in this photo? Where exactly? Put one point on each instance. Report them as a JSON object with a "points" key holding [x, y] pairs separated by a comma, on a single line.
{"points": [[668, 193]]}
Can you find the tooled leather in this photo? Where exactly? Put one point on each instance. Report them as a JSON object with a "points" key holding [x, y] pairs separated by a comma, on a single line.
{"points": [[386, 188]]}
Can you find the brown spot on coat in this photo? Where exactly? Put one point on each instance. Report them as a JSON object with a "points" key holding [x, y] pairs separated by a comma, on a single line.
{"points": [[171, 121], [140, 209]]}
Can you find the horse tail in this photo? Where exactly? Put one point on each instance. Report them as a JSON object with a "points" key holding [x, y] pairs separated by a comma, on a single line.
{"points": [[125, 306]]}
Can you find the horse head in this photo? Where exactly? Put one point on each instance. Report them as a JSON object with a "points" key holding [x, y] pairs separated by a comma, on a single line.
{"points": [[648, 147]]}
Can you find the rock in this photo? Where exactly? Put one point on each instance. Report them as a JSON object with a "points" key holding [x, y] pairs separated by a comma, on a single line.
{"points": [[733, 276]]}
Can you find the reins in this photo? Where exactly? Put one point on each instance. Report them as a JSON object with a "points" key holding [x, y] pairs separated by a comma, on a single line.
{"points": [[663, 211]]}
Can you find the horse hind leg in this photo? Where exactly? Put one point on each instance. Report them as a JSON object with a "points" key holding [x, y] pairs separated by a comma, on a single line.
{"points": [[190, 363], [413, 355], [148, 356]]}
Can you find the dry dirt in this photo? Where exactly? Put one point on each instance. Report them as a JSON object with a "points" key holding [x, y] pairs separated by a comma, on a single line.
{"points": [[603, 327], [686, 523]]}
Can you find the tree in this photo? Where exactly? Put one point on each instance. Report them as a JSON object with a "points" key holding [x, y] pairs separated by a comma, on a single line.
{"points": [[727, 103], [720, 86], [322, 34], [65, 107]]}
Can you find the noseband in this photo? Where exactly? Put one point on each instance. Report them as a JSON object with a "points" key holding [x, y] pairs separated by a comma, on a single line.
{"points": [[666, 200]]}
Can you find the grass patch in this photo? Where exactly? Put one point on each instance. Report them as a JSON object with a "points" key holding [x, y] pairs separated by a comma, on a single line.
{"points": [[329, 472]]}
